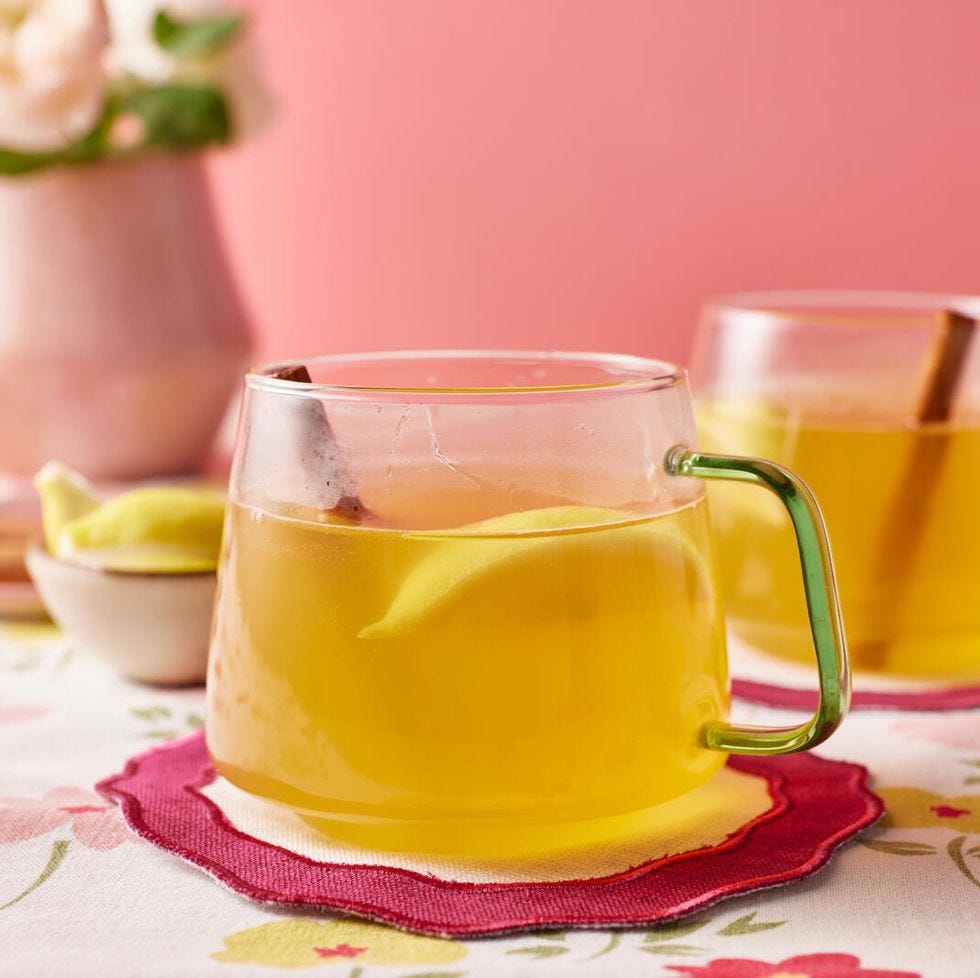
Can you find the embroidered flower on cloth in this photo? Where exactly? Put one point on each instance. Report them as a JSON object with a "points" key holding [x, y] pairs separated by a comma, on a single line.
{"points": [[952, 730], [913, 808], [341, 950], [802, 966], [94, 822], [300, 942], [20, 714]]}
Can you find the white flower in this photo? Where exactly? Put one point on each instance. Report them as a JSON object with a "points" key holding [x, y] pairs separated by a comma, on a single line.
{"points": [[231, 70], [52, 81]]}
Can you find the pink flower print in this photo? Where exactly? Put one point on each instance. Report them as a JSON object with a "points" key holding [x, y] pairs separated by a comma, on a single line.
{"points": [[914, 808], [948, 811], [95, 823], [18, 714], [802, 966], [339, 951], [959, 730]]}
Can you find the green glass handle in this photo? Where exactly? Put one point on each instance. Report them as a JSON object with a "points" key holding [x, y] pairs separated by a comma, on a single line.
{"points": [[822, 603]]}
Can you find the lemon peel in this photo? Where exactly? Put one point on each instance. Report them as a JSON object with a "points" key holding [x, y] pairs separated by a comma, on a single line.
{"points": [[65, 495], [470, 554], [156, 529], [741, 426], [746, 427]]}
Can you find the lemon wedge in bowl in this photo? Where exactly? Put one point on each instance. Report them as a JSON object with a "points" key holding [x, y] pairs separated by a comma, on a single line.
{"points": [[523, 545], [157, 529], [130, 578], [65, 495]]}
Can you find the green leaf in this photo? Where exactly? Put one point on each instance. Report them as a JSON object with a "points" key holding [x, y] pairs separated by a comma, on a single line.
{"points": [[13, 163], [669, 931], [548, 935], [673, 949], [150, 712], [195, 721], [898, 848], [608, 947], [181, 115], [955, 850], [541, 951], [58, 851], [744, 925], [190, 38], [90, 147], [161, 734]]}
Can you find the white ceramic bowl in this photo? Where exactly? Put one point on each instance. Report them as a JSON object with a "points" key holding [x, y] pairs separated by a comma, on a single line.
{"points": [[150, 627]]}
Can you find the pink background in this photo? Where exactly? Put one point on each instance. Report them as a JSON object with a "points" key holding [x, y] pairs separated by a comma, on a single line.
{"points": [[580, 173]]}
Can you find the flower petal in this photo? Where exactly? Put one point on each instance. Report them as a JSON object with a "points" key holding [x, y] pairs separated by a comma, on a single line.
{"points": [[26, 820], [100, 830]]}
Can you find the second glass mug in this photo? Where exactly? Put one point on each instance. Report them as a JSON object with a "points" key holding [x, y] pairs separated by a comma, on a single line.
{"points": [[839, 385], [467, 602]]}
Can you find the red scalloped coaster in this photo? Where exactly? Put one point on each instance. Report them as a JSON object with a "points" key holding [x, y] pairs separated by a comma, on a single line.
{"points": [[815, 805]]}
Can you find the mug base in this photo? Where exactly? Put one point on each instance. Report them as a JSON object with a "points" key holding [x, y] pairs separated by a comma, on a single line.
{"points": [[488, 840]]}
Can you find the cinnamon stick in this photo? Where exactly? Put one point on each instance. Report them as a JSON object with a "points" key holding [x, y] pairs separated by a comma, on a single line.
{"points": [[921, 475], [349, 505], [298, 374], [945, 367]]}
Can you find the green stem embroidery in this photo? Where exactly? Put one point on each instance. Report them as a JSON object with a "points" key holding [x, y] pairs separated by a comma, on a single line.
{"points": [[955, 850], [58, 851], [611, 946]]}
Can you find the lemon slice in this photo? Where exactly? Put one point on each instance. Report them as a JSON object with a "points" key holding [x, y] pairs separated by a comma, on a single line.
{"points": [[157, 529], [65, 495], [751, 428], [468, 556], [741, 426]]}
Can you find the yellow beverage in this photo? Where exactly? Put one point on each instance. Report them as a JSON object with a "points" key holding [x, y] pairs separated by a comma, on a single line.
{"points": [[519, 681], [901, 509]]}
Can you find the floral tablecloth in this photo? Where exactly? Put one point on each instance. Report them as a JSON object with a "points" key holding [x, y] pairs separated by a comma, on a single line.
{"points": [[80, 896]]}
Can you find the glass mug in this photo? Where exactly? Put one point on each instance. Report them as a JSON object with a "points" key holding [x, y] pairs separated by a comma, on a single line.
{"points": [[467, 604], [832, 384]]}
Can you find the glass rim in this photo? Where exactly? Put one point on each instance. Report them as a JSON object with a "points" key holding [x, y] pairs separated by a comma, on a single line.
{"points": [[626, 373], [836, 308]]}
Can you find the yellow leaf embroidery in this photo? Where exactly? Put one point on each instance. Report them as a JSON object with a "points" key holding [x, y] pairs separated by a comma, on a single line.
{"points": [[300, 942]]}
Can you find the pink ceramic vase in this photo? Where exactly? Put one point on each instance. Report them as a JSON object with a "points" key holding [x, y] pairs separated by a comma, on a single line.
{"points": [[122, 336]]}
